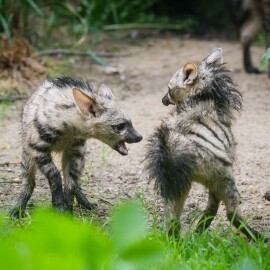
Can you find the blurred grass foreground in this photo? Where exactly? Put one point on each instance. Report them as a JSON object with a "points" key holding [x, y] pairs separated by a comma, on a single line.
{"points": [[54, 241]]}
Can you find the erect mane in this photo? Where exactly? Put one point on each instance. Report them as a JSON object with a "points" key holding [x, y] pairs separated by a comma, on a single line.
{"points": [[222, 91]]}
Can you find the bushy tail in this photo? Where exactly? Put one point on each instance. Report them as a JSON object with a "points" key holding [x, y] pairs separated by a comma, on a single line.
{"points": [[172, 170]]}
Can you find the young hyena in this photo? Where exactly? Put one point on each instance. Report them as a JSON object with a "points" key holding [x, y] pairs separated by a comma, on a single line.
{"points": [[195, 143], [59, 117]]}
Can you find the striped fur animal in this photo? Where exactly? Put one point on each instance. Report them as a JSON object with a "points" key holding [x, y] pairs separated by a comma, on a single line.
{"points": [[195, 143], [59, 117]]}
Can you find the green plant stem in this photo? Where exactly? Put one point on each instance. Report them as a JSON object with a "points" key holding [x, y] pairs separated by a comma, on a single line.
{"points": [[129, 26]]}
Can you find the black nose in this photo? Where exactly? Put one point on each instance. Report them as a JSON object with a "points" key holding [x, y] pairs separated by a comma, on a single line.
{"points": [[133, 137], [165, 100], [139, 137]]}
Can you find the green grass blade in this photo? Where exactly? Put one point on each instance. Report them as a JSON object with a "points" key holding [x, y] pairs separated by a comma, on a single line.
{"points": [[264, 58], [5, 26], [96, 58], [35, 7]]}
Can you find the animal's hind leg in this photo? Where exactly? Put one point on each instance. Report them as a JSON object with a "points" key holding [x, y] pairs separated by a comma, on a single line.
{"points": [[73, 165], [231, 198], [209, 213], [174, 209], [248, 32], [266, 21], [28, 178]]}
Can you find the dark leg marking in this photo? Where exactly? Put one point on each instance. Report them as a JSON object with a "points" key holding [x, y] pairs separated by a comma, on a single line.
{"points": [[73, 165], [48, 168]]}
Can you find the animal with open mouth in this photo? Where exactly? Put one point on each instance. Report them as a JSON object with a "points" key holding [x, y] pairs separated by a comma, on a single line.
{"points": [[59, 117]]}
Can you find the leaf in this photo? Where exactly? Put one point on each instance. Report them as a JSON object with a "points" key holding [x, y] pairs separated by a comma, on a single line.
{"points": [[245, 264], [145, 253], [128, 226], [35, 7], [5, 26], [83, 21], [264, 58], [57, 241], [96, 58]]}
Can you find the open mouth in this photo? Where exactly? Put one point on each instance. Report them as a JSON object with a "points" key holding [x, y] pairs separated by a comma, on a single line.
{"points": [[121, 148]]}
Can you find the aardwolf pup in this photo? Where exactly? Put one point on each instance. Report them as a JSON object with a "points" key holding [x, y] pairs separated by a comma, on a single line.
{"points": [[195, 143], [59, 117]]}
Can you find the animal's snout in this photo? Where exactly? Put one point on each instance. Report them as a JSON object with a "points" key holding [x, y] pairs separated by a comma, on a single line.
{"points": [[133, 136], [139, 137], [166, 100]]}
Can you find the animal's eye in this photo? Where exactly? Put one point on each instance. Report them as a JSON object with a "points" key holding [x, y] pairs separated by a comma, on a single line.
{"points": [[119, 127]]}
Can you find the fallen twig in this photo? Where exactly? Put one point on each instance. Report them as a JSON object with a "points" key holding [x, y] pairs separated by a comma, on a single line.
{"points": [[80, 53], [15, 98], [10, 163], [10, 182], [130, 26], [105, 201]]}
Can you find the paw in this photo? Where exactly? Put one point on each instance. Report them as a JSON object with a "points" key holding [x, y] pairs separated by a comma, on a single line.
{"points": [[83, 201], [174, 228], [89, 206], [252, 70], [17, 212], [61, 207]]}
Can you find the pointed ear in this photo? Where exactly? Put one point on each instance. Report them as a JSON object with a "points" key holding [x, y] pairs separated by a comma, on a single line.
{"points": [[190, 73], [215, 57], [104, 91], [84, 102]]}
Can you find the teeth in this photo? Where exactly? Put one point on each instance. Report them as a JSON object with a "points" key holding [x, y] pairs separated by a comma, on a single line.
{"points": [[123, 148]]}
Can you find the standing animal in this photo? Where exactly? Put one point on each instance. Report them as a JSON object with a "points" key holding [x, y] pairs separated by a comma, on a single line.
{"points": [[251, 16], [195, 143], [59, 117]]}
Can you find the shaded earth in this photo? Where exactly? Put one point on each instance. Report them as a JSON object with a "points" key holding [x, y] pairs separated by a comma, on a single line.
{"points": [[139, 81]]}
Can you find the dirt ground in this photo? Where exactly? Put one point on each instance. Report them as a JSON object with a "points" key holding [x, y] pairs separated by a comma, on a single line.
{"points": [[139, 83]]}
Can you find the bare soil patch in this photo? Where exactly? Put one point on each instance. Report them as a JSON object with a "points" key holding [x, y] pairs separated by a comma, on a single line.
{"points": [[139, 83]]}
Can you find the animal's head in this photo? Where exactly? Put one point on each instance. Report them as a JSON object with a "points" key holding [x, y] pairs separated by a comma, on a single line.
{"points": [[192, 77], [104, 120]]}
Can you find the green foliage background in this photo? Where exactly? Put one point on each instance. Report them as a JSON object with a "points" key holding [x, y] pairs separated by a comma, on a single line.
{"points": [[39, 19]]}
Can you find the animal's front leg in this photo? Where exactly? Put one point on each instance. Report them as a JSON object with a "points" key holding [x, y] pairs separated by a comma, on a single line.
{"points": [[48, 168], [73, 164]]}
